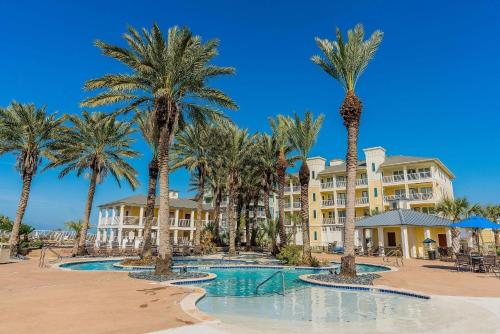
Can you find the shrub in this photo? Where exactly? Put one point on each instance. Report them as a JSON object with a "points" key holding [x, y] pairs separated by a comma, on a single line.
{"points": [[207, 244], [290, 255]]}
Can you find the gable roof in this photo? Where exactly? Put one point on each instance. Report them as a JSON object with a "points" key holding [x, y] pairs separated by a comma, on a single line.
{"points": [[405, 159], [140, 200], [405, 217]]}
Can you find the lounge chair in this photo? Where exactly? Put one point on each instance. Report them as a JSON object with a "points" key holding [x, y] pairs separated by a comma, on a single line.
{"points": [[463, 261], [489, 262]]}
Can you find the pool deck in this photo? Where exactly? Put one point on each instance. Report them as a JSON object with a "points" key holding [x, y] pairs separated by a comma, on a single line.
{"points": [[60, 301]]}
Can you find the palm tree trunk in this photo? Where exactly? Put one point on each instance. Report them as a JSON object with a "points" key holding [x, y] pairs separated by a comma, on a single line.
{"points": [[167, 116], [79, 247], [217, 203], [248, 234], [304, 210], [21, 209], [267, 210], [239, 209], [150, 207], [351, 113], [281, 198], [455, 240], [199, 219], [231, 221], [254, 226]]}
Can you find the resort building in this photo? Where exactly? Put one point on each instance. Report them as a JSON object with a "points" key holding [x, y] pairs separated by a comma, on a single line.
{"points": [[122, 221], [382, 181]]}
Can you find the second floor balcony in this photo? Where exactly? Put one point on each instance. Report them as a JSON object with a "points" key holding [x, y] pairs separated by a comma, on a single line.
{"points": [[293, 189], [410, 177], [411, 197]]}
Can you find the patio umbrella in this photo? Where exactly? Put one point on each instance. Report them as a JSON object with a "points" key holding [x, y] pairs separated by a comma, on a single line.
{"points": [[476, 223]]}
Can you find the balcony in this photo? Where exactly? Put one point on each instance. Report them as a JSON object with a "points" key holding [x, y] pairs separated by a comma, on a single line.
{"points": [[328, 221], [341, 201], [419, 176], [411, 197], [327, 203], [327, 185], [393, 179], [362, 201], [362, 182], [293, 189], [341, 220], [130, 220], [296, 205], [184, 223], [340, 184]]}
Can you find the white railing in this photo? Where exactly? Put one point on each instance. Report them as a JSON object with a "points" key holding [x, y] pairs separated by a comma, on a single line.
{"points": [[327, 203], [296, 205], [328, 221], [288, 205], [341, 201], [288, 189], [130, 220], [393, 178], [420, 196], [341, 184], [361, 200], [184, 223], [110, 220], [295, 189], [394, 197], [172, 221], [341, 220], [359, 218], [419, 176], [327, 185], [362, 182]]}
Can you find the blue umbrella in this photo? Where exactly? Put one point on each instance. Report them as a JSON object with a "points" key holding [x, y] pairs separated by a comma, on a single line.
{"points": [[476, 223]]}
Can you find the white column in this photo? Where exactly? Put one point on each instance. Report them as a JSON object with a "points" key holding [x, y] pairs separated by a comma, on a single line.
{"points": [[404, 242], [141, 216], [122, 214], [106, 215], [113, 215], [368, 235], [448, 237], [100, 218], [104, 235], [139, 233], [120, 237], [191, 235], [111, 234], [176, 217], [207, 217], [380, 232], [176, 232], [357, 238], [470, 238], [98, 236], [192, 219], [413, 238]]}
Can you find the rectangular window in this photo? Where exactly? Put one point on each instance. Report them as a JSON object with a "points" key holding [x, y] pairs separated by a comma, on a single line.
{"points": [[314, 214], [315, 235], [314, 197], [313, 175], [375, 192], [373, 167]]}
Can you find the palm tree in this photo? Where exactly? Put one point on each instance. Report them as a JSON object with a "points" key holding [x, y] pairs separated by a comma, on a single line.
{"points": [[267, 150], [237, 145], [170, 75], [303, 135], [191, 150], [280, 136], [454, 210], [75, 226], [27, 132], [492, 212], [346, 62], [149, 129], [96, 145]]}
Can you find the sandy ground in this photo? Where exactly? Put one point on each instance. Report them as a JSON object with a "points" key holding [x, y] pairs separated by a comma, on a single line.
{"points": [[41, 300], [433, 277], [50, 300]]}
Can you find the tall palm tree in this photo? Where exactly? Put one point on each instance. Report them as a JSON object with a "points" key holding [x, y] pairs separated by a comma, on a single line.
{"points": [[492, 212], [27, 132], [95, 145], [192, 151], [170, 75], [345, 62], [303, 135], [236, 146], [75, 226], [280, 136], [454, 210], [147, 124]]}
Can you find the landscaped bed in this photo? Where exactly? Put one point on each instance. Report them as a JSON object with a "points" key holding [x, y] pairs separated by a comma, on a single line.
{"points": [[365, 279], [150, 275]]}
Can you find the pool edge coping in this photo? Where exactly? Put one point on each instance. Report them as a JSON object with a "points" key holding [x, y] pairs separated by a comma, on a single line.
{"points": [[368, 288]]}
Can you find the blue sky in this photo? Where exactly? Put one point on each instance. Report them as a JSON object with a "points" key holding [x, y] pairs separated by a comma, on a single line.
{"points": [[431, 90]]}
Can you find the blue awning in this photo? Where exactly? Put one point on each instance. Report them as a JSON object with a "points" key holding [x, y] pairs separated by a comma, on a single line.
{"points": [[476, 222]]}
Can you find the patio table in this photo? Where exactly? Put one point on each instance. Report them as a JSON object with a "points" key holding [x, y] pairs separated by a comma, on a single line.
{"points": [[477, 260]]}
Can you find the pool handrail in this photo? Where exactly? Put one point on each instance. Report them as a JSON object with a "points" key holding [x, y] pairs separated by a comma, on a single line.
{"points": [[269, 278]]}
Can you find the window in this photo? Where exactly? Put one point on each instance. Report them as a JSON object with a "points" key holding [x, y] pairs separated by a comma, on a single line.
{"points": [[315, 235], [314, 214], [373, 167], [314, 197], [313, 175], [391, 239], [375, 192]]}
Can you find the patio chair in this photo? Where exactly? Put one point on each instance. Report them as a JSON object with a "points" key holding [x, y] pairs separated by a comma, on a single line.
{"points": [[489, 262], [91, 251], [463, 261], [129, 249], [102, 250]]}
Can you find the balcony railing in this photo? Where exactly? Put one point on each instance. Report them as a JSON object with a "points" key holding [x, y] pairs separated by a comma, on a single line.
{"points": [[130, 220], [327, 203], [341, 201], [296, 205], [327, 185], [362, 201], [362, 182], [292, 189], [341, 220], [393, 178], [340, 184], [419, 176], [184, 223], [288, 205], [411, 197], [328, 221]]}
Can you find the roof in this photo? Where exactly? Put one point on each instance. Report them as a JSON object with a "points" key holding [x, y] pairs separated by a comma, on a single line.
{"points": [[140, 200], [341, 168], [404, 217], [405, 159]]}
